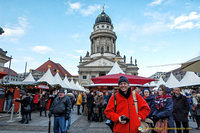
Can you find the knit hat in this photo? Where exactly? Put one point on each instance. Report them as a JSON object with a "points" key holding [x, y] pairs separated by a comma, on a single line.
{"points": [[61, 91], [146, 89], [123, 79]]}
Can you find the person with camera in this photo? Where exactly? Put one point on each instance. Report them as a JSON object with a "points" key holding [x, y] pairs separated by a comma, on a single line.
{"points": [[60, 108], [124, 116]]}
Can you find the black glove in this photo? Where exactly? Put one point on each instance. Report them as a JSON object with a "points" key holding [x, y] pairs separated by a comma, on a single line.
{"points": [[49, 115], [155, 118], [67, 117]]}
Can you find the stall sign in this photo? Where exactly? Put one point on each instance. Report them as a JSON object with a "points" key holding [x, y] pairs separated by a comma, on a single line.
{"points": [[43, 87]]}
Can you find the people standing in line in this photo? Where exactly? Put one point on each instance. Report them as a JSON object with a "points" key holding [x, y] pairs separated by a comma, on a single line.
{"points": [[61, 110], [125, 117], [150, 99], [180, 111], [71, 96], [9, 96], [99, 99], [164, 107], [43, 104], [25, 106], [78, 103], [90, 105], [84, 98]]}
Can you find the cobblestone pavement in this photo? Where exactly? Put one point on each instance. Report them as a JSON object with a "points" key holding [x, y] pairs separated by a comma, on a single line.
{"points": [[40, 125]]}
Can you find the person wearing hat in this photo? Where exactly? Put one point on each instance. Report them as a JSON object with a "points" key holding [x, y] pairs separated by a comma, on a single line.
{"points": [[61, 109], [124, 116], [150, 99]]}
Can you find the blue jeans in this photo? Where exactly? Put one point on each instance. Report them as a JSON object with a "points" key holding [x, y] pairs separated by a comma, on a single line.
{"points": [[9, 104], [69, 121], [59, 124]]}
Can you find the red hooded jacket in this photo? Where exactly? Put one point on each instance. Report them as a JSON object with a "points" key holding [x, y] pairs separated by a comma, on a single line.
{"points": [[126, 107]]}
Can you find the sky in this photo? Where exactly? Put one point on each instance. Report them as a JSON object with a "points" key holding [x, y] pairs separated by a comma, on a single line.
{"points": [[160, 34]]}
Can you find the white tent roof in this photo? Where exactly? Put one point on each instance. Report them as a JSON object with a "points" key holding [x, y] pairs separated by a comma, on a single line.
{"points": [[60, 81], [190, 79], [161, 81], [115, 69], [73, 85], [66, 81], [172, 82], [48, 77], [29, 78], [79, 87]]}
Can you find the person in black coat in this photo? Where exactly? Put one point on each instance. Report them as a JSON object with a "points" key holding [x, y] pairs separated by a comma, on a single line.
{"points": [[25, 106], [150, 99], [90, 105], [180, 111]]}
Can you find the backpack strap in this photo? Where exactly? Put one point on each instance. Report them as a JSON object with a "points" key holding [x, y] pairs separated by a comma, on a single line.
{"points": [[135, 101], [115, 101]]}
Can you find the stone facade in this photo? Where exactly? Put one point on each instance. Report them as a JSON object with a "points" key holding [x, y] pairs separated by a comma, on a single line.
{"points": [[103, 53], [3, 59]]}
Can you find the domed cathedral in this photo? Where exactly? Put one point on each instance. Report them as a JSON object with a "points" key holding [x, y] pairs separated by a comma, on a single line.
{"points": [[103, 52]]}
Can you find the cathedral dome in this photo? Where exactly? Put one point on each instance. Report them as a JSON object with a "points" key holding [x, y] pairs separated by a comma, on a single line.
{"points": [[103, 17]]}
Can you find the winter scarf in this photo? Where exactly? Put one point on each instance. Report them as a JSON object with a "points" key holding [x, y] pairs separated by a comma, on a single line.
{"points": [[160, 100], [127, 94]]}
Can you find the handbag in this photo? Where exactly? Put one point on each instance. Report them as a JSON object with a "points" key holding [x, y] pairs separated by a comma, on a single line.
{"points": [[161, 126], [109, 122], [145, 126], [27, 108]]}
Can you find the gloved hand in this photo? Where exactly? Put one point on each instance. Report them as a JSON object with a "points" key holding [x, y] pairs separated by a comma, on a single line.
{"points": [[155, 118], [49, 115]]}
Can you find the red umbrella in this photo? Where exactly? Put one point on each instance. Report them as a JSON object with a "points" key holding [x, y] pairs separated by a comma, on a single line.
{"points": [[2, 74], [113, 79]]}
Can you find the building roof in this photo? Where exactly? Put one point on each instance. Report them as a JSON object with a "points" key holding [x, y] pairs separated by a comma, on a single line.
{"points": [[54, 68], [12, 72], [103, 17]]}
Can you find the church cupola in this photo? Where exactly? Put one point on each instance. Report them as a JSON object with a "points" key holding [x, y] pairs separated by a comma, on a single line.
{"points": [[103, 39]]}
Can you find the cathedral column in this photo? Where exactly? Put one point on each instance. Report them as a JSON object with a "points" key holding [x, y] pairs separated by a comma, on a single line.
{"points": [[92, 47], [114, 47]]}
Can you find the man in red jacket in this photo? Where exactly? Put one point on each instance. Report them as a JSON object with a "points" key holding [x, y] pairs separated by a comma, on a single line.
{"points": [[125, 117]]}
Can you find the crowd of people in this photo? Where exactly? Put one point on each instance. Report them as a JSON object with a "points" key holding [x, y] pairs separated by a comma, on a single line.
{"points": [[162, 104]]}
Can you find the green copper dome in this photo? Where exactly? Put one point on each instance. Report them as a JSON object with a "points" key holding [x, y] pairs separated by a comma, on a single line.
{"points": [[103, 17]]}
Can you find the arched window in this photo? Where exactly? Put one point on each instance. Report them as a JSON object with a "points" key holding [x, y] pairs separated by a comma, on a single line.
{"points": [[102, 51], [107, 48]]}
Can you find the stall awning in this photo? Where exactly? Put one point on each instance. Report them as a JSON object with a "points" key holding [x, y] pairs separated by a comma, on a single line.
{"points": [[2, 74], [113, 79]]}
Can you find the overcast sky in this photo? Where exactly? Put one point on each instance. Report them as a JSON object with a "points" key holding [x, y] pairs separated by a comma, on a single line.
{"points": [[155, 32]]}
